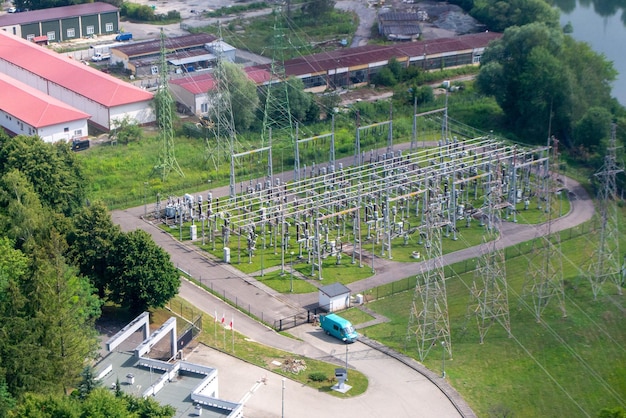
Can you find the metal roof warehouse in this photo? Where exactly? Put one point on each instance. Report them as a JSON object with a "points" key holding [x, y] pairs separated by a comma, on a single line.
{"points": [[63, 23], [354, 66], [36, 113], [102, 96]]}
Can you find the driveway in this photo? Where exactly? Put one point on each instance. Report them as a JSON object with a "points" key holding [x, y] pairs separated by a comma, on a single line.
{"points": [[394, 390]]}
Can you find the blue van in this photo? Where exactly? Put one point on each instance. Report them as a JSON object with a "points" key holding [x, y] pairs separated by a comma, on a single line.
{"points": [[338, 327], [124, 36]]}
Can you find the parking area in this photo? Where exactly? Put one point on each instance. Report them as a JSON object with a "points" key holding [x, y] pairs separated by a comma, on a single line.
{"points": [[394, 390]]}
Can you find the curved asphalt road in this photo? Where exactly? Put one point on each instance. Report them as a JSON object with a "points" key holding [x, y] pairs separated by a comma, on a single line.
{"points": [[395, 389]]}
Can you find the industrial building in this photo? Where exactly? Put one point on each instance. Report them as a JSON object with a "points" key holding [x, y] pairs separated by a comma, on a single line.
{"points": [[65, 23], [191, 91], [399, 26], [344, 68], [105, 98], [353, 67], [36, 113], [150, 364], [189, 53]]}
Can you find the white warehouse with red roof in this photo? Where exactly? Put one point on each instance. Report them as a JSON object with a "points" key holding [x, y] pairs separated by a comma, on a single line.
{"points": [[105, 98], [27, 111]]}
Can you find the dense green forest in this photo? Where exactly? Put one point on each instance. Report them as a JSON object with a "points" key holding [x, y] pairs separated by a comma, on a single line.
{"points": [[61, 258]]}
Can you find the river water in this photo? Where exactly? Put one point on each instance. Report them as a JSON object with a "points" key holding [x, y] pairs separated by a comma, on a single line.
{"points": [[602, 24]]}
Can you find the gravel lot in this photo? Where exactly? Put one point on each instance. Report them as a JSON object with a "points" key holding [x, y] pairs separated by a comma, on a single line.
{"points": [[445, 20]]}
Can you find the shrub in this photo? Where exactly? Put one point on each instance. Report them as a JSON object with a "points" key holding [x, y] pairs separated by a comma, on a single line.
{"points": [[317, 377]]}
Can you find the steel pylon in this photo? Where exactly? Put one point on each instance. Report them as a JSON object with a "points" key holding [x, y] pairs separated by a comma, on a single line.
{"points": [[546, 264], [606, 263], [429, 322], [489, 295], [167, 159]]}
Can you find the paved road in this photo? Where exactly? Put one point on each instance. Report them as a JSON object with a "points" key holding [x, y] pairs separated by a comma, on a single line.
{"points": [[225, 279]]}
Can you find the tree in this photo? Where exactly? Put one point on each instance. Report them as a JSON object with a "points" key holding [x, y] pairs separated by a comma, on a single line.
{"points": [[63, 310], [385, 77], [317, 9], [499, 15], [142, 275], [533, 73], [22, 217], [100, 403], [7, 402], [46, 406], [592, 128], [126, 130], [46, 318], [88, 383], [237, 90], [148, 407], [590, 76], [91, 242], [329, 101], [286, 103], [52, 169]]}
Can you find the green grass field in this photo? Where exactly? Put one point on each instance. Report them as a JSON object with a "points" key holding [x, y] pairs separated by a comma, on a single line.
{"points": [[560, 366]]}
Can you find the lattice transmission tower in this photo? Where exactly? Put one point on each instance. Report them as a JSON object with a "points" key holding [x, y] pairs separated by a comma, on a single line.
{"points": [[489, 295], [277, 116], [546, 264], [164, 102], [606, 264], [221, 119], [429, 323]]}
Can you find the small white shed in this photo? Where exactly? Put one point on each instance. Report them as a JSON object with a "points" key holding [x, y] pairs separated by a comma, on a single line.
{"points": [[334, 297]]}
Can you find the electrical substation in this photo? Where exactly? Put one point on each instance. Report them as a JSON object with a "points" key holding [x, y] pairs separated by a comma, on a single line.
{"points": [[331, 211], [357, 210]]}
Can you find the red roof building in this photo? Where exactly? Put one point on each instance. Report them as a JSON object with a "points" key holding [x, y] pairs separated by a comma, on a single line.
{"points": [[346, 67], [191, 90], [102, 96], [36, 113], [354, 66]]}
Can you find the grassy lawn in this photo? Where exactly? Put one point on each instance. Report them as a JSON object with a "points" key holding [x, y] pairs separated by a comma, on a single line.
{"points": [[356, 316], [260, 355], [572, 366]]}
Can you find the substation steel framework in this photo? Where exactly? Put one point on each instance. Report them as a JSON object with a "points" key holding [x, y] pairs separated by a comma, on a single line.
{"points": [[222, 123], [606, 264], [337, 210]]}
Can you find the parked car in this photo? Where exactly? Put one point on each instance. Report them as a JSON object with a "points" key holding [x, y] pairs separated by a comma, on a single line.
{"points": [[338, 327], [12, 10], [101, 56], [124, 36]]}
